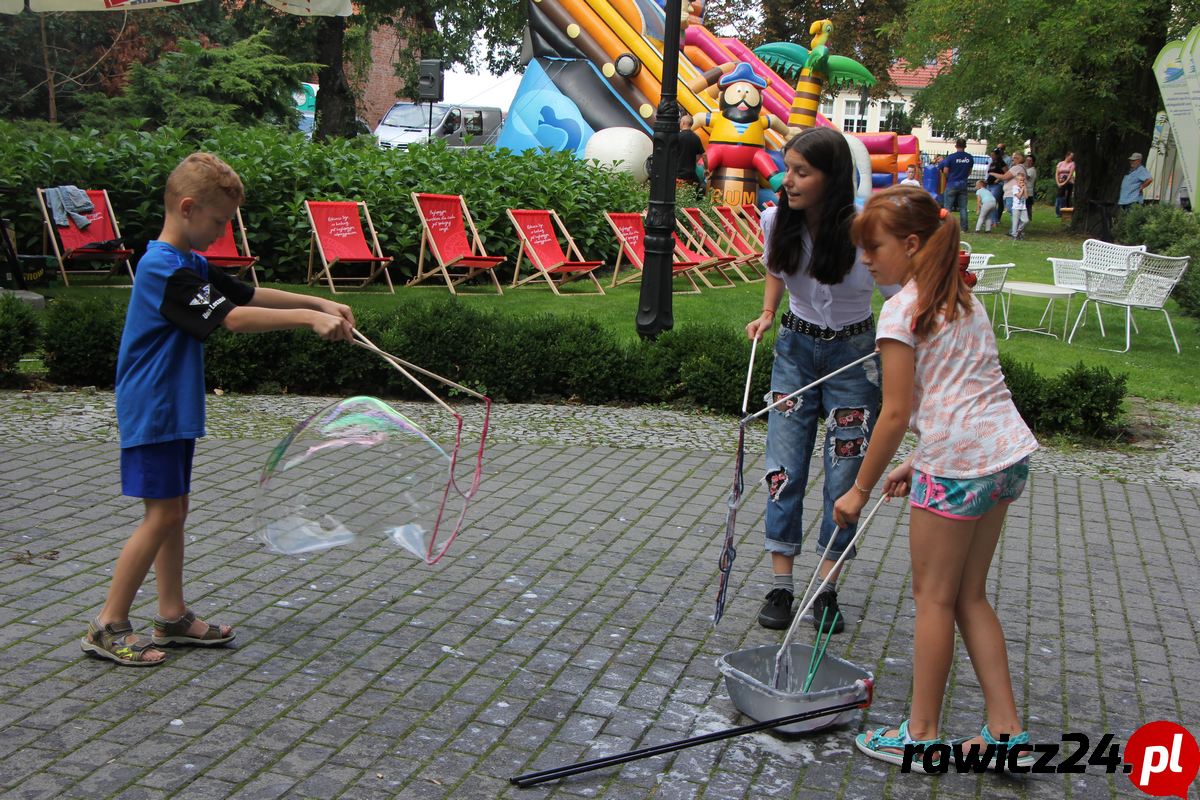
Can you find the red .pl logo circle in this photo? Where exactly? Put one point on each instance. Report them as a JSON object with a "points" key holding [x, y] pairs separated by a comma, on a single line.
{"points": [[1163, 759]]}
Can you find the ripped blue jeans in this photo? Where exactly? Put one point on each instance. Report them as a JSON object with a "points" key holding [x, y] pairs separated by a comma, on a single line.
{"points": [[849, 404]]}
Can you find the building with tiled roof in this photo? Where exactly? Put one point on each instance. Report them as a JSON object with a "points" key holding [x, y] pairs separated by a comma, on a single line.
{"points": [[847, 110]]}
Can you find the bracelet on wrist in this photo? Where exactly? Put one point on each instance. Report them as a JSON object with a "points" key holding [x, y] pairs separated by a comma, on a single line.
{"points": [[861, 490], [770, 311]]}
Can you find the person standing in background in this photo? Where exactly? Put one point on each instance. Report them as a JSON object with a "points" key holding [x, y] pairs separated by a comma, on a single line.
{"points": [[958, 166]]}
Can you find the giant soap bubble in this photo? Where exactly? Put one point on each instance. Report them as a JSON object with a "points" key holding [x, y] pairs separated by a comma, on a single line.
{"points": [[357, 469]]}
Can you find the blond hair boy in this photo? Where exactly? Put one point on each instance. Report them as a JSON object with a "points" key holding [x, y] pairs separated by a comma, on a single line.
{"points": [[177, 301]]}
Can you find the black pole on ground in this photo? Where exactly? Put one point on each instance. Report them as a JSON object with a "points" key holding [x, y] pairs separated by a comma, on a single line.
{"points": [[654, 306], [534, 778]]}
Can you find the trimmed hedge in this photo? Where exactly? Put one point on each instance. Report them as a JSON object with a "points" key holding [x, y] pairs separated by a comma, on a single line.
{"points": [[1083, 401], [522, 359], [20, 332], [280, 170]]}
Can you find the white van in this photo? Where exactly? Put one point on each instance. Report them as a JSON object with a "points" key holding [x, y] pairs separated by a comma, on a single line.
{"points": [[457, 125]]}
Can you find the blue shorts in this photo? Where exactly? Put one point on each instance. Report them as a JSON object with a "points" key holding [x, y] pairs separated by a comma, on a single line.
{"points": [[968, 498], [158, 471]]}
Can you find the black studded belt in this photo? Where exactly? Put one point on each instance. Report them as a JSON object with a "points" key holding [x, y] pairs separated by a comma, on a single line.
{"points": [[794, 323]]}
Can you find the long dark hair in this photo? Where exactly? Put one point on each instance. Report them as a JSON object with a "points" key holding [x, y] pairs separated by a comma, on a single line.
{"points": [[833, 252]]}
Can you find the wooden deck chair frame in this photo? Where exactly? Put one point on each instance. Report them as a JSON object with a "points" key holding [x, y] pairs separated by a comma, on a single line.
{"points": [[442, 268], [378, 265], [732, 223], [752, 219], [570, 269], [50, 241], [244, 261], [625, 250], [697, 224], [689, 250]]}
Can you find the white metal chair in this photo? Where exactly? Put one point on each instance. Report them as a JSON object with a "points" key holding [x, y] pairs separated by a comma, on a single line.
{"points": [[1148, 284], [1098, 255], [979, 260], [989, 279]]}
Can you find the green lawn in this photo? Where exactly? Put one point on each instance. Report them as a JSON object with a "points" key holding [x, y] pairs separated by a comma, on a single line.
{"points": [[1155, 371]]}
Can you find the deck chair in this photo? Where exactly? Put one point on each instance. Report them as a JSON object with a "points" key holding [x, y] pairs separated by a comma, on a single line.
{"points": [[227, 254], [707, 264], [710, 238], [445, 220], [737, 240], [538, 231], [338, 238], [631, 237], [752, 218], [98, 242]]}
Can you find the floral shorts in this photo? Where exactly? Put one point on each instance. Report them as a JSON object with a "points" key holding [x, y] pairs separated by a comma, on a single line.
{"points": [[968, 498]]}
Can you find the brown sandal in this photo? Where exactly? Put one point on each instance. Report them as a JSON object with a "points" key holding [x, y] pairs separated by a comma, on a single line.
{"points": [[117, 642], [175, 631]]}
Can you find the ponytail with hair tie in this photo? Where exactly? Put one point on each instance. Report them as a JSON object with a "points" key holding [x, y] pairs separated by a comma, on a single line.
{"points": [[964, 258]]}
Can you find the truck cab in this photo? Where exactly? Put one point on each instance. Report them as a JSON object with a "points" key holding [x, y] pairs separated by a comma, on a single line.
{"points": [[457, 125]]}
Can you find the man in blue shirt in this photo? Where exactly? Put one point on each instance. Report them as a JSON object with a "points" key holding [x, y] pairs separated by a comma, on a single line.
{"points": [[1134, 182], [958, 166]]}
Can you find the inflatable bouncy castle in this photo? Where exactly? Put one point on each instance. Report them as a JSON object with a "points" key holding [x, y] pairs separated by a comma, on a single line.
{"points": [[596, 65]]}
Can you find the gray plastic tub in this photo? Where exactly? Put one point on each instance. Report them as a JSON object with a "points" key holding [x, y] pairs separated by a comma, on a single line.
{"points": [[748, 679]]}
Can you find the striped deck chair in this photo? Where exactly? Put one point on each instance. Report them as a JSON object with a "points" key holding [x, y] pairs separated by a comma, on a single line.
{"points": [[445, 220], [99, 241], [538, 231]]}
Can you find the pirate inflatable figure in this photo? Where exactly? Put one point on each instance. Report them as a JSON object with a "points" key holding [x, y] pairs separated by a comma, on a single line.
{"points": [[737, 155]]}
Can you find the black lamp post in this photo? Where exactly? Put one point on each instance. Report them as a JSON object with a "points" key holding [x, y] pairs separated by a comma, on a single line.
{"points": [[654, 305]]}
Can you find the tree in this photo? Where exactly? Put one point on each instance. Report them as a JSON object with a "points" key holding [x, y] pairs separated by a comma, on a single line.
{"points": [[468, 32], [198, 87], [1067, 75], [55, 66]]}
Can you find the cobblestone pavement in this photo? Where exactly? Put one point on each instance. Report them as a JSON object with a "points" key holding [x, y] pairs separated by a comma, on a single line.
{"points": [[570, 620]]}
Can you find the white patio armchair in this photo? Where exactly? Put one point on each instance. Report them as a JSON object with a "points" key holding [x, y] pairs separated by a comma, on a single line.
{"points": [[1147, 284], [989, 279], [1097, 255]]}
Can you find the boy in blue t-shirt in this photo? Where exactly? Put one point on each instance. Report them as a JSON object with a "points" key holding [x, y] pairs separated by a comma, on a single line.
{"points": [[177, 301]]}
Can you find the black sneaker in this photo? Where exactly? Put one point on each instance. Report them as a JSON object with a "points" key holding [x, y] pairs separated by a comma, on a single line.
{"points": [[826, 604], [777, 611]]}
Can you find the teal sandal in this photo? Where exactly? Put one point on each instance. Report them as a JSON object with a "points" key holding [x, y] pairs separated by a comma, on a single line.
{"points": [[1021, 741], [881, 747]]}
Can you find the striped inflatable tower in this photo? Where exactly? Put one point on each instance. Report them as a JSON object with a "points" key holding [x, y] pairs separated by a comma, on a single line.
{"points": [[808, 98]]}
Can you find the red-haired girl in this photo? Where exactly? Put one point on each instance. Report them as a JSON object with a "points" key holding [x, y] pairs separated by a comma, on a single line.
{"points": [[942, 379]]}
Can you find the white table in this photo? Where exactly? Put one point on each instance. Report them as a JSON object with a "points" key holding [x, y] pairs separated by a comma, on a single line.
{"points": [[1050, 293]]}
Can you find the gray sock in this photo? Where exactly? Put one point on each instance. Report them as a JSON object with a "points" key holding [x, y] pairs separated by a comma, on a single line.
{"points": [[785, 582], [829, 587]]}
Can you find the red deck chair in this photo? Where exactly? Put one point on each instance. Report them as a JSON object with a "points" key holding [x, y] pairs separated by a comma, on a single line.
{"points": [[539, 241], [338, 238], [687, 251], [631, 236], [226, 254], [710, 238], [735, 229], [445, 219], [752, 218], [79, 246]]}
